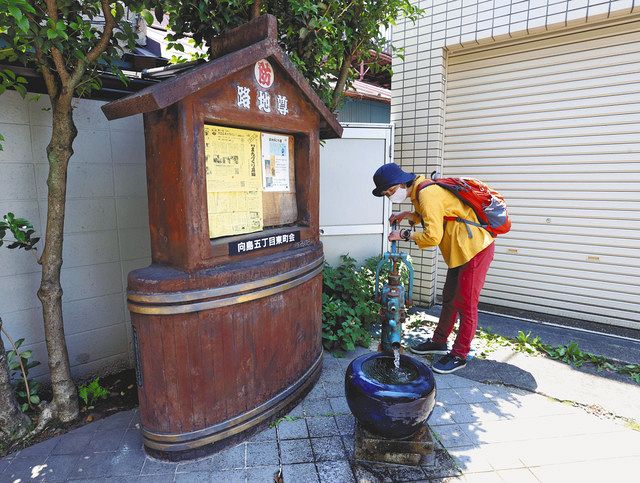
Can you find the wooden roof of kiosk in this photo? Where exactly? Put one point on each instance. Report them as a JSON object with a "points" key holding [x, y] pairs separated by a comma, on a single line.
{"points": [[235, 50]]}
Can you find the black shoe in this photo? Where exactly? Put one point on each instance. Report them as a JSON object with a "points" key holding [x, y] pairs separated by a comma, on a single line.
{"points": [[448, 364], [430, 347]]}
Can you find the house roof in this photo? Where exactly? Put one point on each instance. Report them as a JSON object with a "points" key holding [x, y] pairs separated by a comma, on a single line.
{"points": [[261, 33], [363, 90]]}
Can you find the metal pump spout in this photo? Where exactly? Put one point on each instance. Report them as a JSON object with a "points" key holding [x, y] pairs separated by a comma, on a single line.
{"points": [[393, 297]]}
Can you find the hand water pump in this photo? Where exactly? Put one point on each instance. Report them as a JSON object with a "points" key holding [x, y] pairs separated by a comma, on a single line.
{"points": [[393, 297]]}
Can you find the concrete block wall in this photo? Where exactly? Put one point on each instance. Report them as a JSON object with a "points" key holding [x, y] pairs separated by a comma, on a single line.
{"points": [[419, 80], [106, 232]]}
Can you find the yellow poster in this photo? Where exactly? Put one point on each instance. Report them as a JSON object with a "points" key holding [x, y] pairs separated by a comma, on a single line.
{"points": [[234, 181]]}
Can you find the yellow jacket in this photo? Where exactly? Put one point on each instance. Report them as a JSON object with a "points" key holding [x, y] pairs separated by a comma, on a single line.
{"points": [[433, 205]]}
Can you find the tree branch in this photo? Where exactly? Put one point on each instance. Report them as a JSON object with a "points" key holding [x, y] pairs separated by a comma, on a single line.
{"points": [[341, 81], [109, 24], [52, 11], [49, 79]]}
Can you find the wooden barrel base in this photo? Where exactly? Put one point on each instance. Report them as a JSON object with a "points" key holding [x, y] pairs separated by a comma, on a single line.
{"points": [[206, 441]]}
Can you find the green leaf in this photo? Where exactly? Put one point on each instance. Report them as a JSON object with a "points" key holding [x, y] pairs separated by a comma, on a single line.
{"points": [[52, 34], [148, 17], [34, 399]]}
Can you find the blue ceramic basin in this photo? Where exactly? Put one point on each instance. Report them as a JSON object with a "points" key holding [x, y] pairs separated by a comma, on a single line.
{"points": [[387, 405]]}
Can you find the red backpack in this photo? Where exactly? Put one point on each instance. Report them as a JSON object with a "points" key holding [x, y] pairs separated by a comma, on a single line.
{"points": [[488, 205]]}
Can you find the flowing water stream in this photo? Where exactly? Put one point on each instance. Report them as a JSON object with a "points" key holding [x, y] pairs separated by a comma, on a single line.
{"points": [[389, 370], [396, 358]]}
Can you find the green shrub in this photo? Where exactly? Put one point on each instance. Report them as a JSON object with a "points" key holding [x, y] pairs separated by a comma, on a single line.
{"points": [[348, 306], [91, 393], [19, 363]]}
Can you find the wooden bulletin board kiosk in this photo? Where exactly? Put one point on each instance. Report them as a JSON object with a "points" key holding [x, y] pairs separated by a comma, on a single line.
{"points": [[227, 319]]}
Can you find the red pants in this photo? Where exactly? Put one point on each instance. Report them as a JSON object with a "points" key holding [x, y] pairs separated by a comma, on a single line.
{"points": [[460, 295]]}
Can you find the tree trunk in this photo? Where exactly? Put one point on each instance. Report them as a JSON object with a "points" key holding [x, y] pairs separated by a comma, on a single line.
{"points": [[59, 150], [255, 9], [14, 424], [341, 82]]}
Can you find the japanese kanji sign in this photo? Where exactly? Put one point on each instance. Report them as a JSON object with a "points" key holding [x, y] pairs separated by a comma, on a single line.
{"points": [[246, 246]]}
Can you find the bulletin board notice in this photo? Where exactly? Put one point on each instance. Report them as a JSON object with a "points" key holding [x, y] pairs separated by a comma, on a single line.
{"points": [[234, 181]]}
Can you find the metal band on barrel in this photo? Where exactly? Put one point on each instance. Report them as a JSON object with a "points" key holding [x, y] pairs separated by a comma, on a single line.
{"points": [[242, 422], [197, 300]]}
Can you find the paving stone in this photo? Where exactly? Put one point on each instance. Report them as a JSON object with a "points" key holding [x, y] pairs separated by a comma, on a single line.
{"points": [[72, 444], [441, 415], [296, 451], [334, 390], [59, 467], [453, 435], [520, 475], [332, 376], [263, 474], [40, 449], [317, 407], [230, 458], [334, 471], [229, 476], [131, 441], [293, 429], [22, 469], [473, 413], [449, 397], [108, 440], [471, 459], [196, 477], [328, 449], [119, 420], [339, 405], [405, 473], [153, 466], [297, 411], [349, 444], [262, 454], [164, 478], [4, 462], [268, 434], [317, 392], [476, 394], [94, 465], [304, 472], [126, 463], [346, 424], [322, 426], [85, 429]]}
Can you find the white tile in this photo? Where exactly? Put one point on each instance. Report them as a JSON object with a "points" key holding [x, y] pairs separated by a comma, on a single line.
{"points": [[18, 292], [40, 111], [18, 182], [88, 146], [25, 324], [597, 10], [85, 214], [84, 180], [128, 124], [131, 180], [135, 243], [132, 212], [599, 470], [88, 116], [91, 281], [16, 147], [88, 248], [13, 109], [97, 344], [93, 313]]}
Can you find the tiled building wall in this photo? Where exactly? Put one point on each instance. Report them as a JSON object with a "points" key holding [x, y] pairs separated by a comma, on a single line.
{"points": [[106, 229], [419, 80]]}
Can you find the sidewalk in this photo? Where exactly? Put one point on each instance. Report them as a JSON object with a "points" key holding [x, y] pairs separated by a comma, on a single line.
{"points": [[487, 432]]}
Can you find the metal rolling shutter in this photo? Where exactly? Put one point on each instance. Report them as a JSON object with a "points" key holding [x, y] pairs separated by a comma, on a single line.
{"points": [[553, 123]]}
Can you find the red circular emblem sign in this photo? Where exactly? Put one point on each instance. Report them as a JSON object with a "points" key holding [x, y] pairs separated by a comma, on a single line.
{"points": [[264, 73]]}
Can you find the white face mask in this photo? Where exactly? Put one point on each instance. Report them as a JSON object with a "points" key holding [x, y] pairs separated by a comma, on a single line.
{"points": [[399, 196]]}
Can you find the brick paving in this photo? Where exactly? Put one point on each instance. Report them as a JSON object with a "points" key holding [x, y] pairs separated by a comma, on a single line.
{"points": [[485, 433]]}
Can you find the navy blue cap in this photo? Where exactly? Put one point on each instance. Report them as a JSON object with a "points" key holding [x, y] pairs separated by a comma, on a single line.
{"points": [[389, 175]]}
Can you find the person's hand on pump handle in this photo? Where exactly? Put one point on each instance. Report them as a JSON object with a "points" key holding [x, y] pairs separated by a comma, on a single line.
{"points": [[398, 217], [400, 235]]}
